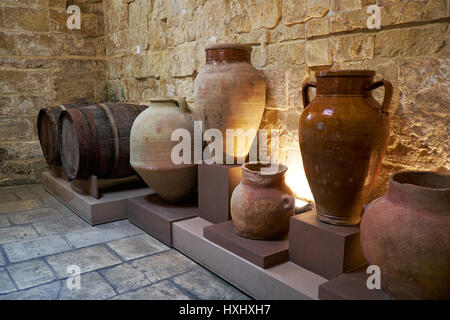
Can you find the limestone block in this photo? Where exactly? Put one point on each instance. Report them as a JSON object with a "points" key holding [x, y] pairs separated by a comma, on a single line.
{"points": [[40, 44], [28, 63], [257, 37], [7, 44], [157, 34], [283, 85], [317, 27], [424, 40], [238, 20], [29, 105], [410, 11], [295, 11], [20, 150], [139, 12], [348, 5], [74, 91], [15, 129], [263, 14], [287, 33], [8, 105], [79, 46], [354, 47], [117, 42], [138, 36], [318, 52], [287, 53], [348, 20], [116, 19], [15, 81], [26, 19], [183, 60]]}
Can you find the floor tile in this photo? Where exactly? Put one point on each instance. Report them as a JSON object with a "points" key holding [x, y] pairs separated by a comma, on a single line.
{"points": [[4, 221], [87, 259], [164, 265], [33, 215], [22, 205], [89, 236], [164, 290], [16, 233], [206, 286], [34, 193], [125, 277], [60, 225], [48, 291], [122, 225], [6, 285], [2, 260], [92, 287], [8, 197], [24, 250], [137, 246], [30, 273]]}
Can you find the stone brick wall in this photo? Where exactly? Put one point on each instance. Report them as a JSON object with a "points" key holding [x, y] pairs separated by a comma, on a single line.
{"points": [[291, 39], [42, 63]]}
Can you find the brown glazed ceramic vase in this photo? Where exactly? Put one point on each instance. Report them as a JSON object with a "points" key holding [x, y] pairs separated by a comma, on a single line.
{"points": [[151, 147], [407, 234], [230, 94], [262, 204], [343, 136]]}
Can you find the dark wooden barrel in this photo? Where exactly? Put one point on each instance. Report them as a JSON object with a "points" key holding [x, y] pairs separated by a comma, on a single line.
{"points": [[47, 124], [95, 140]]}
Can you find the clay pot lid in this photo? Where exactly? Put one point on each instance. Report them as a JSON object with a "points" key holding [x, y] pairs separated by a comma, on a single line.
{"points": [[229, 46], [354, 73]]}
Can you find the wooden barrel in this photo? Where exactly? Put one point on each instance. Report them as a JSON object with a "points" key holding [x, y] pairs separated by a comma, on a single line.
{"points": [[47, 124], [95, 140]]}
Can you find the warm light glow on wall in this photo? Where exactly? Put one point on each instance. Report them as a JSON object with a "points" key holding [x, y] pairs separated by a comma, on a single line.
{"points": [[295, 176]]}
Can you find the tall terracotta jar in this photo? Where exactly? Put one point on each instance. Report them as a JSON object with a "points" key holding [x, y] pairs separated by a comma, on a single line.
{"points": [[262, 204], [230, 94], [407, 234], [343, 135], [151, 148]]}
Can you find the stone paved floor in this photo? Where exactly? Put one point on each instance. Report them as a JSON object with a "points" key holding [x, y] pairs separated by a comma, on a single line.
{"points": [[40, 238]]}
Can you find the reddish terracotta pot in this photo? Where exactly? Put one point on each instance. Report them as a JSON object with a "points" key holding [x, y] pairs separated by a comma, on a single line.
{"points": [[407, 234], [262, 204], [230, 94], [343, 136]]}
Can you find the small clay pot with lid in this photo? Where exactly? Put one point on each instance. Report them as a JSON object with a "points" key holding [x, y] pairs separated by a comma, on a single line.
{"points": [[230, 94], [262, 204]]}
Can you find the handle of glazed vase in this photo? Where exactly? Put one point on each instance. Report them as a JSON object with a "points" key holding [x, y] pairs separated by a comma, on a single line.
{"points": [[305, 92], [387, 92]]}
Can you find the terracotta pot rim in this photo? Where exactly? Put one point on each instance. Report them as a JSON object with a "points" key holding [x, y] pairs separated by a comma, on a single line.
{"points": [[346, 72], [229, 46], [401, 178], [281, 168]]}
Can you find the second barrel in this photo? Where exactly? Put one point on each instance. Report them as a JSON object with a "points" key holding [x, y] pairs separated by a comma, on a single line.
{"points": [[95, 140]]}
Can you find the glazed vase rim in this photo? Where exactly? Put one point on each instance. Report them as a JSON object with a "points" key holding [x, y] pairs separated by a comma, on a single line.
{"points": [[281, 168], [346, 73], [229, 46], [412, 178]]}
